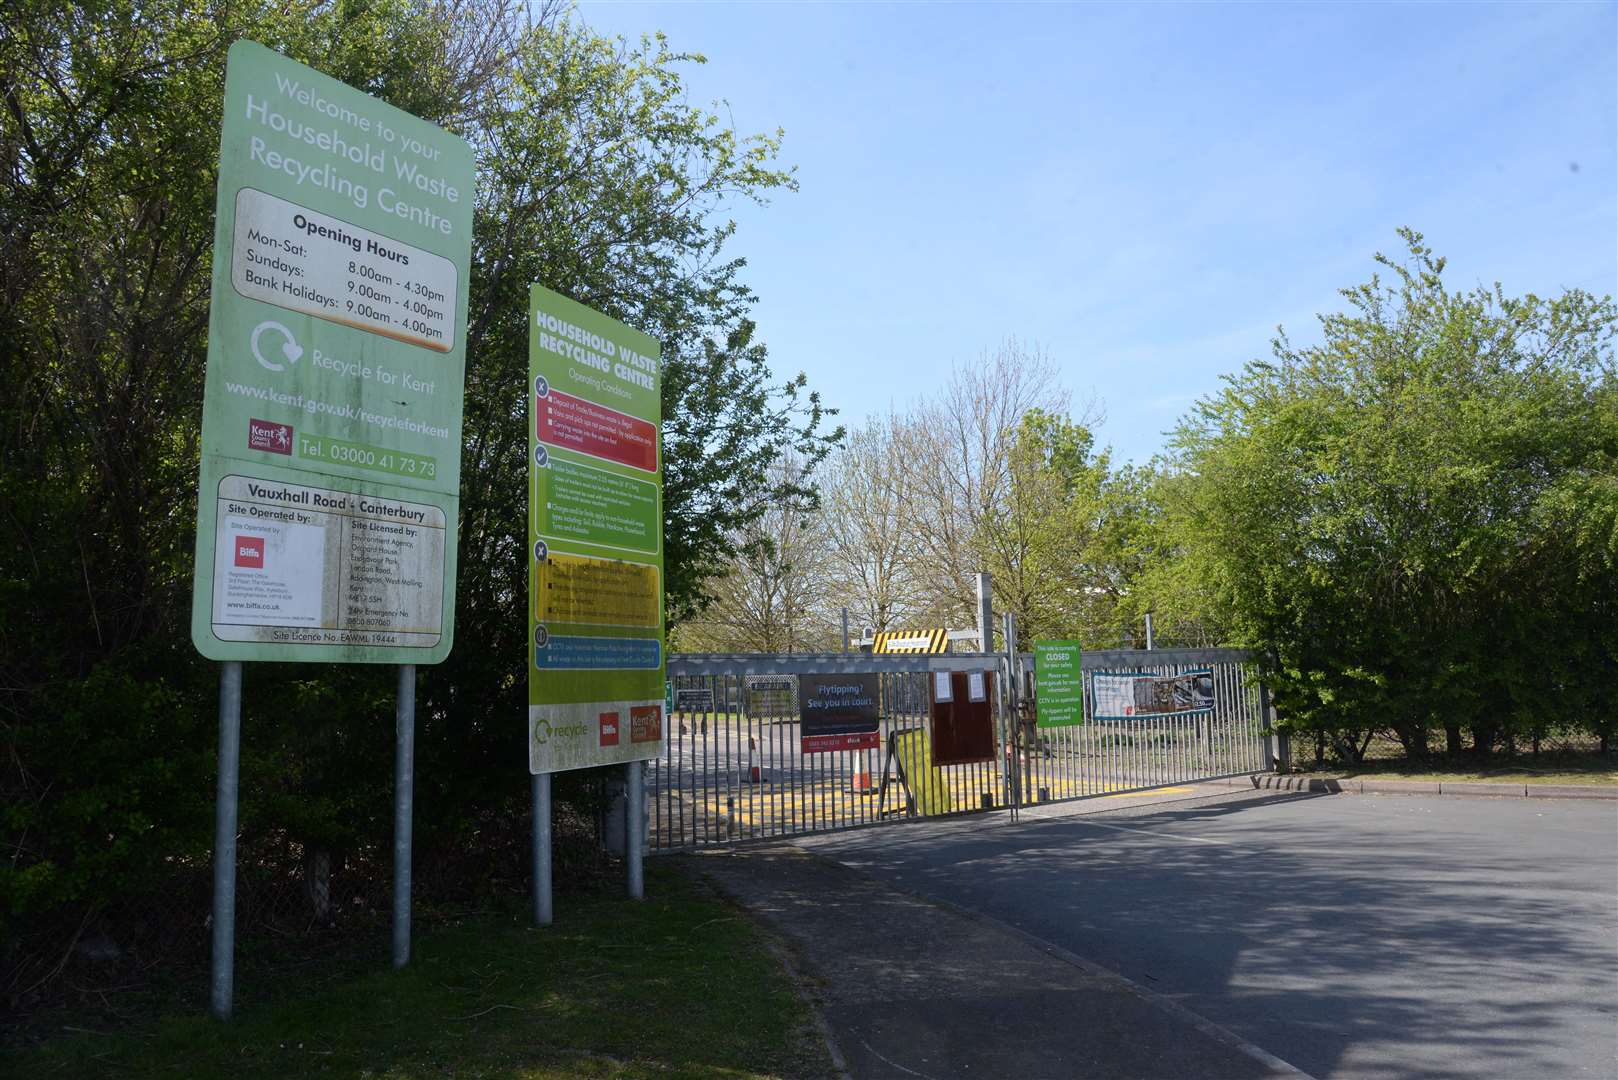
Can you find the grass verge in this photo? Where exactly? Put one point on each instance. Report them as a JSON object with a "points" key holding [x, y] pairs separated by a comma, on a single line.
{"points": [[679, 985], [1548, 768]]}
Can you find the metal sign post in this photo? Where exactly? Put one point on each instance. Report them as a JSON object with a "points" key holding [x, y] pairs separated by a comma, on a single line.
{"points": [[329, 489], [540, 789], [597, 694], [404, 790], [635, 828], [221, 984]]}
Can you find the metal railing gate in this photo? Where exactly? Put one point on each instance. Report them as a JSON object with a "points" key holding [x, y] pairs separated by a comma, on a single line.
{"points": [[732, 767]]}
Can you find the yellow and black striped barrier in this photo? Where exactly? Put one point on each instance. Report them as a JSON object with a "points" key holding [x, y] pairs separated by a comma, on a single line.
{"points": [[911, 641]]}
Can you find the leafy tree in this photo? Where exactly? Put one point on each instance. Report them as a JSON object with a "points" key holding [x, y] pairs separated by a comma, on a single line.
{"points": [[869, 563], [770, 597], [1038, 546], [956, 448], [1414, 518], [596, 177]]}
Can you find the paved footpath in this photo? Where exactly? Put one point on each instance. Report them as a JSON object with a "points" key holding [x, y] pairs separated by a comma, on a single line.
{"points": [[910, 987], [1372, 936]]}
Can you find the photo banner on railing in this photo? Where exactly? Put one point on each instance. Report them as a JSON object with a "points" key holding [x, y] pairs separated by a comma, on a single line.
{"points": [[1122, 695]]}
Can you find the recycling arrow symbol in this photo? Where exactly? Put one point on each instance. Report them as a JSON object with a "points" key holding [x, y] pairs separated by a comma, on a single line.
{"points": [[290, 349]]}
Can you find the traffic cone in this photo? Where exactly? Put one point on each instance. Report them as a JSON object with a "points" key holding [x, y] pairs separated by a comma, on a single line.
{"points": [[861, 782], [755, 773]]}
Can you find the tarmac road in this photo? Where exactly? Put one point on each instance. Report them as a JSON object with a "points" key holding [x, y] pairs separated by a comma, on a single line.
{"points": [[1349, 935]]}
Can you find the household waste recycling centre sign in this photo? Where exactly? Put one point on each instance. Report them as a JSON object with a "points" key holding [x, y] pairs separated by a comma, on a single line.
{"points": [[595, 539], [331, 427]]}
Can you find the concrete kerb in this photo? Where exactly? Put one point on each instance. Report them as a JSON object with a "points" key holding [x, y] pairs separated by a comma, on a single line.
{"points": [[1357, 786]]}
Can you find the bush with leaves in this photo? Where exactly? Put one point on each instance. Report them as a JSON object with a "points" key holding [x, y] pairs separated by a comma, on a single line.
{"points": [[1416, 520]]}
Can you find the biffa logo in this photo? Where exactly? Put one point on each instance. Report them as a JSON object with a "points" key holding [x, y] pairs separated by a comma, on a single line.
{"points": [[609, 729], [250, 552]]}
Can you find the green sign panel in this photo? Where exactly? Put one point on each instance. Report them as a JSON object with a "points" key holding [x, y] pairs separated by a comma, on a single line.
{"points": [[1058, 683], [596, 691], [331, 425]]}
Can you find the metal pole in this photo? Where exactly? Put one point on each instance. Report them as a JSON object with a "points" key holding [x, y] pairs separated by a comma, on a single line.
{"points": [[634, 823], [221, 984], [404, 785], [540, 783], [985, 614], [1149, 642], [1277, 754], [1014, 725], [845, 629]]}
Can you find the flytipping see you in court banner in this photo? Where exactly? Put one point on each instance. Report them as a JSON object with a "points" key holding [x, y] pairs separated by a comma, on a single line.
{"points": [[595, 539], [331, 431]]}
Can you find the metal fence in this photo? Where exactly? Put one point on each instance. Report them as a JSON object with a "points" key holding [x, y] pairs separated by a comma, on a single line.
{"points": [[733, 766]]}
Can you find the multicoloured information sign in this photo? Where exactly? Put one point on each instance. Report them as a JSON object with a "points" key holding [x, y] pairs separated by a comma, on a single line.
{"points": [[331, 425], [1058, 683], [595, 539]]}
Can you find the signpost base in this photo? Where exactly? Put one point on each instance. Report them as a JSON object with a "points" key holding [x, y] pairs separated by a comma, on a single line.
{"points": [[540, 784], [635, 828], [404, 784], [221, 982]]}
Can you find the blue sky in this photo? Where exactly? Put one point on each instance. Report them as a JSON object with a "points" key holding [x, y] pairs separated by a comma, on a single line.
{"points": [[1145, 191]]}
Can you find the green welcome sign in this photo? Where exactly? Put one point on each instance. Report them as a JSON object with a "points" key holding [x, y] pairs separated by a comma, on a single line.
{"points": [[1058, 683], [596, 692], [331, 429]]}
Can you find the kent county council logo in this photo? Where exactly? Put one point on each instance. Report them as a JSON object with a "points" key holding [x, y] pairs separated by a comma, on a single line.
{"points": [[269, 436]]}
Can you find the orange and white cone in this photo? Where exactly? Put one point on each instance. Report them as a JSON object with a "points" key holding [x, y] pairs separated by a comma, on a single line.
{"points": [[755, 772], [860, 784]]}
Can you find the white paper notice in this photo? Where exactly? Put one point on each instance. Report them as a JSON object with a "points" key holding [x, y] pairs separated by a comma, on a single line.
{"points": [[264, 579], [974, 686], [326, 567], [941, 690]]}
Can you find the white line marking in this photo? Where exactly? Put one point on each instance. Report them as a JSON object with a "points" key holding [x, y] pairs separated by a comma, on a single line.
{"points": [[1154, 832], [895, 1064]]}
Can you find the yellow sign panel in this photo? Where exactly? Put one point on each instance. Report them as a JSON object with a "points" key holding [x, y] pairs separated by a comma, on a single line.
{"points": [[599, 592], [926, 782], [935, 640]]}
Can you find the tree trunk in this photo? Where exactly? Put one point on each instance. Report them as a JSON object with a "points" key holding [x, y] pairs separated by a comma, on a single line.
{"points": [[1452, 738], [1413, 737], [317, 884], [1482, 740]]}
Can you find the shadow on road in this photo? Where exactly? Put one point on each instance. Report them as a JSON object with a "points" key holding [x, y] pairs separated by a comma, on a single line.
{"points": [[1343, 933]]}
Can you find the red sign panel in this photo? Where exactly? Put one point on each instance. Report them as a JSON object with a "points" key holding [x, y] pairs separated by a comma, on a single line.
{"points": [[268, 435], [609, 729], [645, 723], [827, 744], [250, 552], [575, 424]]}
